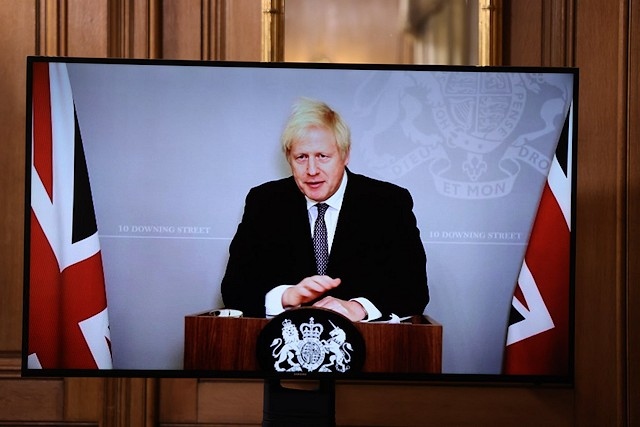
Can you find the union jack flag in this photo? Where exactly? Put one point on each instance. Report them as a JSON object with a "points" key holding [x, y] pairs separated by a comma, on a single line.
{"points": [[68, 325], [538, 333]]}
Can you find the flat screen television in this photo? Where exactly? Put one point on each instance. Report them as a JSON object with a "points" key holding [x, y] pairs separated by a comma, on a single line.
{"points": [[137, 173]]}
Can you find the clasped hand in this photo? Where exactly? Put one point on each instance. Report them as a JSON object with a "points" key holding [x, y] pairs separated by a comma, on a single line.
{"points": [[311, 288]]}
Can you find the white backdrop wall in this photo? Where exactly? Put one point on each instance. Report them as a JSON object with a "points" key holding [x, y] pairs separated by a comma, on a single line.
{"points": [[173, 150]]}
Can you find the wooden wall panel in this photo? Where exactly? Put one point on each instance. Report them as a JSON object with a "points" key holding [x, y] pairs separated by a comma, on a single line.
{"points": [[31, 400], [523, 32], [130, 402], [178, 400], [230, 402], [211, 29], [242, 30], [539, 32], [601, 241], [83, 399], [557, 20], [134, 28], [181, 29], [633, 218], [416, 405], [84, 28], [71, 28], [17, 41]]}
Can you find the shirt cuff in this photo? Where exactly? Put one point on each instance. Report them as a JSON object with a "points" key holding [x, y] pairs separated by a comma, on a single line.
{"points": [[273, 300], [372, 311]]}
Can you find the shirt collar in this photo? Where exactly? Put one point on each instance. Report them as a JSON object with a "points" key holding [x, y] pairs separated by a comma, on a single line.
{"points": [[335, 201]]}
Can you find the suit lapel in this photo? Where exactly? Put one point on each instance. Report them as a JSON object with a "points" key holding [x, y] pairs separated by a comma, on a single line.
{"points": [[346, 220], [299, 234]]}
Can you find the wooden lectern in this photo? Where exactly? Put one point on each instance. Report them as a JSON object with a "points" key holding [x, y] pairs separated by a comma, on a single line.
{"points": [[229, 344]]}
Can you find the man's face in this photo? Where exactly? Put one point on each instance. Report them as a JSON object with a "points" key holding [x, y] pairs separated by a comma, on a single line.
{"points": [[316, 164]]}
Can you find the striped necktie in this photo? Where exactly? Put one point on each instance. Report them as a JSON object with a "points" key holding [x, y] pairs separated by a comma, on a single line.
{"points": [[320, 244]]}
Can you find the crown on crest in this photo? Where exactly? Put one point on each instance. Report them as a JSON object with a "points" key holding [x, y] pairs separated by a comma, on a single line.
{"points": [[288, 326], [311, 330]]}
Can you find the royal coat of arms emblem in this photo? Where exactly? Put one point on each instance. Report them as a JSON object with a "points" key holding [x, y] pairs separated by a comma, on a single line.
{"points": [[319, 341]]}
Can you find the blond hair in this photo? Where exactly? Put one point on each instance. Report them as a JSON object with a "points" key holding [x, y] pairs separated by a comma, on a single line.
{"points": [[309, 113]]}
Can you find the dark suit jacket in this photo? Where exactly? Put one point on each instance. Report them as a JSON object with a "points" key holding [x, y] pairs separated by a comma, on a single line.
{"points": [[376, 251]]}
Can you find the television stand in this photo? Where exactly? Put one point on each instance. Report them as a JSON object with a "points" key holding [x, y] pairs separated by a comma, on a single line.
{"points": [[309, 403]]}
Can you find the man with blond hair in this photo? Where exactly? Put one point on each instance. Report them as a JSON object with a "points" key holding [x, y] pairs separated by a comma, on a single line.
{"points": [[325, 236]]}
